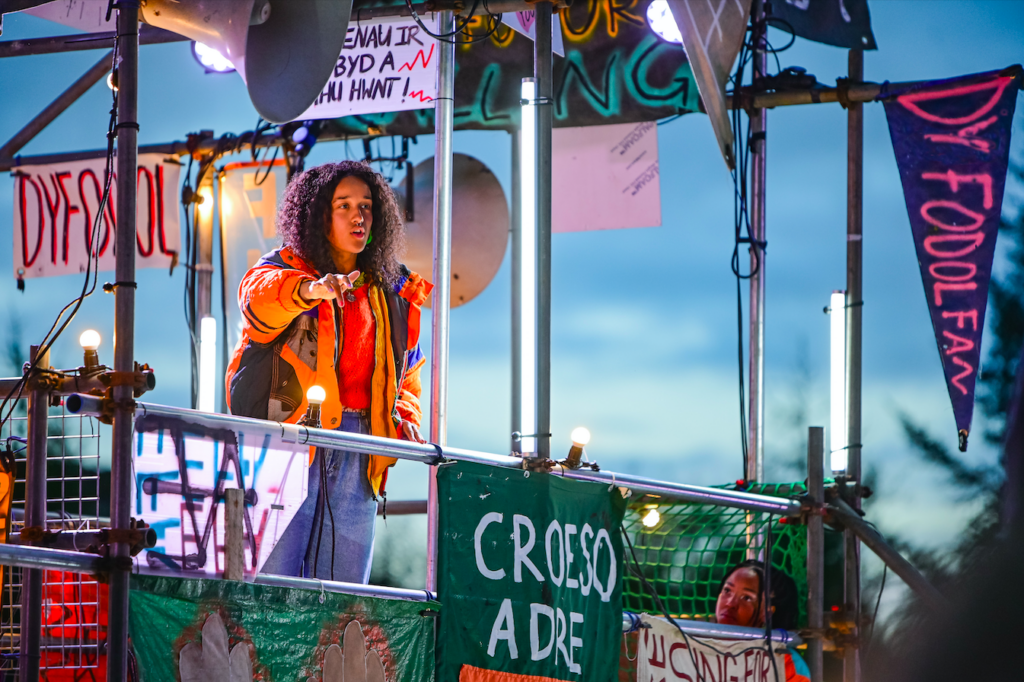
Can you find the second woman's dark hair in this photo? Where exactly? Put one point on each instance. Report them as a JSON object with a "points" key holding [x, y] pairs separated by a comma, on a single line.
{"points": [[305, 214], [782, 590]]}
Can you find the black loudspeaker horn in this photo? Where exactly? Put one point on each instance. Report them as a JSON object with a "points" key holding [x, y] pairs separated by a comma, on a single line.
{"points": [[285, 50]]}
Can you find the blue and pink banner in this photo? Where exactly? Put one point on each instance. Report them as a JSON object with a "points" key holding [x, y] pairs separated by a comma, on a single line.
{"points": [[952, 143]]}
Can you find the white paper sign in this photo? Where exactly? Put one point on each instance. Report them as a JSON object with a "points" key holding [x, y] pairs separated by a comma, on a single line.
{"points": [[386, 65], [523, 22], [664, 655], [85, 15], [56, 205], [274, 475], [605, 177]]}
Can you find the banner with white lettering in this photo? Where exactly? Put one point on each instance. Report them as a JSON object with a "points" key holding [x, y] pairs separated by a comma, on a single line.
{"points": [[592, 163], [664, 655], [56, 206], [249, 194], [530, 576], [952, 144], [385, 65]]}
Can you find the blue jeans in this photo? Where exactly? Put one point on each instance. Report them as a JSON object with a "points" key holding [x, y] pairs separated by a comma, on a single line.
{"points": [[350, 539]]}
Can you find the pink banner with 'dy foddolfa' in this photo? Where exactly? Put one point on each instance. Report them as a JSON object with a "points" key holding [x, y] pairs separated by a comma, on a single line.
{"points": [[57, 208]]}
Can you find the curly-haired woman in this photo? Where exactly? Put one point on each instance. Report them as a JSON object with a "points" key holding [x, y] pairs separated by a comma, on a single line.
{"points": [[335, 308]]}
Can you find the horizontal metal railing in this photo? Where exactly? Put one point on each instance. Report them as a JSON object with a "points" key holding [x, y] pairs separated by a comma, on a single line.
{"points": [[699, 628], [434, 454], [313, 584], [47, 558], [344, 588]]}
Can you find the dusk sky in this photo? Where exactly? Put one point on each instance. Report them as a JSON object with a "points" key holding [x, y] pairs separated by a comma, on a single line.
{"points": [[644, 327]]}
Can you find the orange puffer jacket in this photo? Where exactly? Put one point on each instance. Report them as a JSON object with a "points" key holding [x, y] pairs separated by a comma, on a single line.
{"points": [[284, 337]]}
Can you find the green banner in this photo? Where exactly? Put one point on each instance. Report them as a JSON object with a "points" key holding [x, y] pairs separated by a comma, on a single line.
{"points": [[220, 631], [530, 575]]}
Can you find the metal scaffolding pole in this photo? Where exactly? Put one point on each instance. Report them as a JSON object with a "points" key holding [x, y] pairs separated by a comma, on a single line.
{"points": [[854, 308], [542, 73], [124, 328], [204, 249], [516, 228], [815, 550], [759, 167], [443, 122], [841, 512], [35, 516]]}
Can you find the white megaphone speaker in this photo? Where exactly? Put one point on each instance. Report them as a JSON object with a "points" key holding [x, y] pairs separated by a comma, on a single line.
{"points": [[285, 50]]}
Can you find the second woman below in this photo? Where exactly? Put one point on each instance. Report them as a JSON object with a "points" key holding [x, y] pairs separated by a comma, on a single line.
{"points": [[334, 308]]}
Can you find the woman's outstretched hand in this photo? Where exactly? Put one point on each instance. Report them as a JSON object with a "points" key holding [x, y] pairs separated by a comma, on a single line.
{"points": [[411, 432], [329, 287]]}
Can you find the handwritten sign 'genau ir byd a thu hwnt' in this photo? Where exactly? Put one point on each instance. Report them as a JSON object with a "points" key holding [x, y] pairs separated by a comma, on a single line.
{"points": [[385, 65]]}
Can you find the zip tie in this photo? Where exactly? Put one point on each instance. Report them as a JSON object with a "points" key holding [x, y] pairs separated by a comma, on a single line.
{"points": [[109, 287], [323, 595]]}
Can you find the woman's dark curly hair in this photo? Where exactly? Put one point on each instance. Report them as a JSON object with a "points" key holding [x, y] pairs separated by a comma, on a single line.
{"points": [[783, 592], [305, 213]]}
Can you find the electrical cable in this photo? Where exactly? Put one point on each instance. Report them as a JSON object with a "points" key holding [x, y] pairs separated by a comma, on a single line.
{"points": [[766, 597], [91, 273], [743, 140], [224, 349], [320, 504], [334, 530], [191, 237], [447, 37], [741, 221]]}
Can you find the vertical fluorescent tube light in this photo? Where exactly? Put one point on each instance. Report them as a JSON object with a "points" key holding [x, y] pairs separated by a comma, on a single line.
{"points": [[207, 363], [837, 402], [528, 267]]}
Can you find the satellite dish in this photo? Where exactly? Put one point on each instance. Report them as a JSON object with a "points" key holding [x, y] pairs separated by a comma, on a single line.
{"points": [[479, 226]]}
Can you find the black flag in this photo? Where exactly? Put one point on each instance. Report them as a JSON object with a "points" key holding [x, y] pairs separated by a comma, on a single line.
{"points": [[843, 23]]}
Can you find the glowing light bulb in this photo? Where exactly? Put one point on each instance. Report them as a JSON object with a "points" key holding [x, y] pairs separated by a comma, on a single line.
{"points": [[316, 395], [211, 59], [661, 21], [652, 518], [90, 339], [580, 436], [206, 203]]}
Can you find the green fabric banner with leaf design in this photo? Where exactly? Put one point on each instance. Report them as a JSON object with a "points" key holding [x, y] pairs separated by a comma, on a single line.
{"points": [[530, 575], [224, 631]]}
